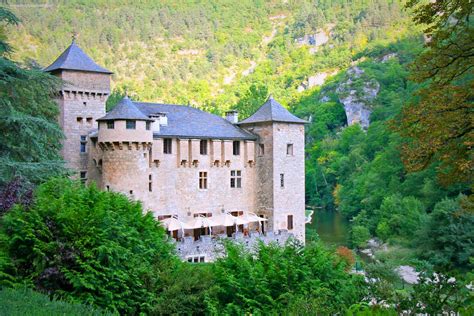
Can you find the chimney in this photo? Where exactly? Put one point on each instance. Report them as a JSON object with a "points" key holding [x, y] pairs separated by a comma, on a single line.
{"points": [[232, 116]]}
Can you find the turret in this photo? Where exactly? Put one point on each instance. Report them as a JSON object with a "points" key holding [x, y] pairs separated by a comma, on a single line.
{"points": [[81, 102], [280, 166], [125, 139]]}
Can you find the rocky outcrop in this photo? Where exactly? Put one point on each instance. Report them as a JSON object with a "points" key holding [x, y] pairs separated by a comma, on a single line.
{"points": [[317, 39], [357, 94], [315, 81]]}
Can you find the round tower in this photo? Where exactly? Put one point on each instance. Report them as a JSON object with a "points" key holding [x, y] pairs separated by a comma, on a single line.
{"points": [[125, 138]]}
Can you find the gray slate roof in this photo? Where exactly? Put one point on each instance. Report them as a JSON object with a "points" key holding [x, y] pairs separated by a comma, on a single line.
{"points": [[73, 58], [272, 111], [188, 122], [125, 110]]}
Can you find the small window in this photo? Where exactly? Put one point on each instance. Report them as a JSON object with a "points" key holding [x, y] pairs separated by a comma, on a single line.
{"points": [[85, 103], [289, 149], [83, 176], [83, 143], [89, 120], [131, 192], [131, 124], [167, 146], [235, 178], [203, 180], [282, 180], [290, 222], [148, 126], [150, 183], [203, 147], [107, 187], [79, 119], [110, 124], [236, 148], [261, 149]]}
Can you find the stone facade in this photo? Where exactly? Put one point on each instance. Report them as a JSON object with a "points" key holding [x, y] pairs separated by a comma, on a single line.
{"points": [[261, 171], [81, 103]]}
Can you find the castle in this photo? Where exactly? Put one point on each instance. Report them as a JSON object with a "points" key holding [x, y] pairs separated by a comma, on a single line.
{"points": [[185, 165]]}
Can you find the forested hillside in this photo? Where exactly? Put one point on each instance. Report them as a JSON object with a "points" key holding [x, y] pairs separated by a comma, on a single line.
{"points": [[208, 54]]}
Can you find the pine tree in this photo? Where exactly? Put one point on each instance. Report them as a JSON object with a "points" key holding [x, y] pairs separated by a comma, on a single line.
{"points": [[30, 134]]}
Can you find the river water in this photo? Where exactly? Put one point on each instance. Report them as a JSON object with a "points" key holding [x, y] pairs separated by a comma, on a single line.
{"points": [[332, 228]]}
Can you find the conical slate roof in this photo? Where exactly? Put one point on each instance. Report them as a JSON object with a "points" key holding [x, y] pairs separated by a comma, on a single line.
{"points": [[125, 110], [272, 111], [73, 58]]}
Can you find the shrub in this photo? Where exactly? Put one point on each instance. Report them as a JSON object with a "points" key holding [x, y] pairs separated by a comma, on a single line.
{"points": [[282, 280], [19, 302], [360, 235], [79, 243], [346, 255]]}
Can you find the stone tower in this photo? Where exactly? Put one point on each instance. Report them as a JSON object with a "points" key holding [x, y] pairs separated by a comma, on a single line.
{"points": [[81, 102], [123, 155], [280, 167]]}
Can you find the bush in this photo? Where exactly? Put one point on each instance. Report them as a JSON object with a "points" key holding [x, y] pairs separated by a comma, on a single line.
{"points": [[360, 235], [79, 243], [19, 302], [282, 280]]}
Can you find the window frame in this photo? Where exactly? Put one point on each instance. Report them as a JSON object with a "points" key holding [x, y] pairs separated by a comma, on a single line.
{"points": [[282, 180], [261, 150], [290, 225], [236, 179], [110, 124], [83, 176], [203, 144], [203, 180], [148, 125], [289, 149], [236, 147], [167, 146], [129, 125], [83, 146]]}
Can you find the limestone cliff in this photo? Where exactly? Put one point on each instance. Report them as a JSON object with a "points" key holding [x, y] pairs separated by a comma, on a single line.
{"points": [[357, 93]]}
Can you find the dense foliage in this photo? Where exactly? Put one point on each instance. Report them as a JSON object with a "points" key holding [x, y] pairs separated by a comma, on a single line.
{"points": [[208, 54], [12, 302], [80, 243], [30, 135], [439, 125], [289, 280]]}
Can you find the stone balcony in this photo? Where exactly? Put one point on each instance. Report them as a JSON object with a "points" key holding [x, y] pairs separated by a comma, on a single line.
{"points": [[208, 248]]}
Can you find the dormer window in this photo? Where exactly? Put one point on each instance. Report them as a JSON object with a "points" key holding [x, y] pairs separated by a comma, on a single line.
{"points": [[131, 124], [110, 125], [160, 117]]}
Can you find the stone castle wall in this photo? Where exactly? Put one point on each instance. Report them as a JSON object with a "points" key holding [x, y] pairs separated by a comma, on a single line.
{"points": [[79, 110], [290, 199], [174, 178], [272, 200]]}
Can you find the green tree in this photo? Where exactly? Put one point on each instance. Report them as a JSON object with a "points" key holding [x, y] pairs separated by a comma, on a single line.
{"points": [[30, 135], [447, 238], [438, 125], [252, 99], [78, 243]]}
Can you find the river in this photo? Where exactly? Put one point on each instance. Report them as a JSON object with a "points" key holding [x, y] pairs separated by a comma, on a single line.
{"points": [[332, 228]]}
